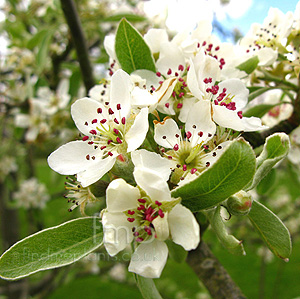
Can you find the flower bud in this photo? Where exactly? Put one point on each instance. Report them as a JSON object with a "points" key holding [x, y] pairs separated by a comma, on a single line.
{"points": [[240, 203], [123, 168]]}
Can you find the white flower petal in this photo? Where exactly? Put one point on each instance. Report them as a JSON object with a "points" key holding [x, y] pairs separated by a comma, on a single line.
{"points": [[84, 111], [215, 154], [142, 98], [117, 232], [149, 259], [121, 86], [167, 133], [138, 131], [70, 158], [161, 227], [121, 196], [188, 103], [199, 122], [154, 38], [109, 45], [192, 81], [95, 172], [150, 160], [153, 184], [22, 121], [184, 228]]}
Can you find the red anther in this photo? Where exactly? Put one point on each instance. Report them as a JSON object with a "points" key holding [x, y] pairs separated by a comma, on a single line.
{"points": [[204, 43], [116, 121], [193, 170], [180, 67], [207, 164], [173, 94], [161, 213], [94, 121], [200, 134], [90, 142], [188, 68], [130, 219], [206, 147], [188, 134], [131, 212], [208, 90], [158, 203], [136, 234], [123, 120], [110, 154], [184, 167], [158, 74], [170, 157], [169, 72], [119, 140], [141, 207], [141, 200], [160, 82], [216, 102], [85, 138], [198, 45], [180, 79], [94, 132], [118, 106], [176, 74], [176, 147], [103, 121], [179, 105], [103, 147], [240, 114], [109, 141], [116, 131], [110, 111], [99, 110], [247, 51], [167, 105], [139, 239], [181, 95], [106, 103], [217, 48], [149, 218], [222, 61], [86, 123], [214, 89], [87, 157]]}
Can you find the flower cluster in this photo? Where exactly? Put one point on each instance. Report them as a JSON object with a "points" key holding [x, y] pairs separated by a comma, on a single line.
{"points": [[154, 132]]}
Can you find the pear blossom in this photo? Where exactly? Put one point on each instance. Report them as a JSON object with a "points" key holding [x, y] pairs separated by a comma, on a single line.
{"points": [[224, 101], [147, 215], [193, 152], [108, 132], [294, 153], [267, 39]]}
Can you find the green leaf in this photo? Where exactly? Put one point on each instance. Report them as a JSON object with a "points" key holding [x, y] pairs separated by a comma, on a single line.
{"points": [[275, 149], [266, 183], [147, 287], [258, 110], [232, 244], [51, 248], [272, 230], [228, 175], [132, 51], [129, 17], [37, 38], [249, 65], [176, 252]]}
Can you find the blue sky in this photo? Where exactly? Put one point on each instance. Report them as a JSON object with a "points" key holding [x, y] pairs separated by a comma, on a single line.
{"points": [[258, 11]]}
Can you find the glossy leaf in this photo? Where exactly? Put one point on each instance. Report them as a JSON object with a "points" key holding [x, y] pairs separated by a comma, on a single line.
{"points": [[249, 65], [132, 51], [228, 175], [51, 248], [271, 229]]}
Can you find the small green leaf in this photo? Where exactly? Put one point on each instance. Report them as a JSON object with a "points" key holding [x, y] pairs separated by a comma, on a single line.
{"points": [[228, 175], [37, 38], [129, 17], [249, 65], [258, 110], [147, 287], [275, 149], [257, 91], [51, 248], [132, 51], [272, 230], [176, 252], [267, 182], [232, 244]]}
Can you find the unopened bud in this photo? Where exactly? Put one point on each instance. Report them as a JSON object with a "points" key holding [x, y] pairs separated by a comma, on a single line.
{"points": [[240, 203], [123, 168]]}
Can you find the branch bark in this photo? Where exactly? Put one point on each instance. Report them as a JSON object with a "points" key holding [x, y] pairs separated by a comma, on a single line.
{"points": [[213, 275], [72, 18]]}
